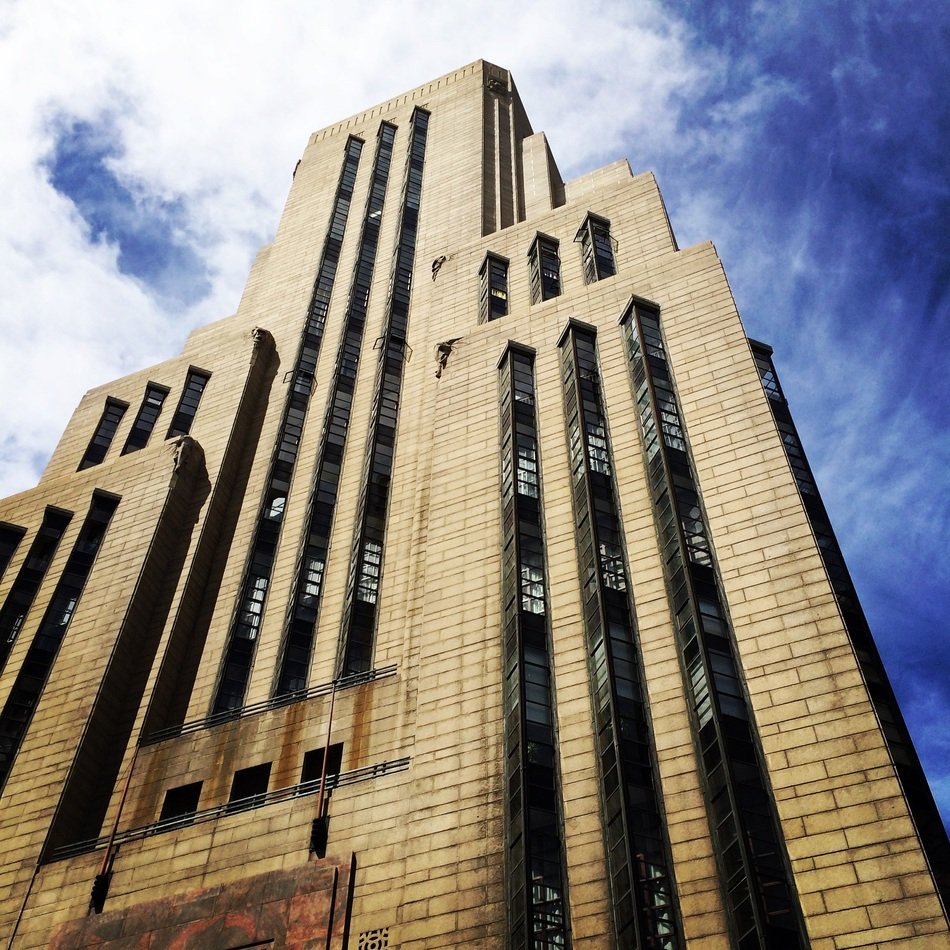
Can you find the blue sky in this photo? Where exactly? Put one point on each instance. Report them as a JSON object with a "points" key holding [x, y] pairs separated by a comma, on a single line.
{"points": [[146, 230], [145, 164]]}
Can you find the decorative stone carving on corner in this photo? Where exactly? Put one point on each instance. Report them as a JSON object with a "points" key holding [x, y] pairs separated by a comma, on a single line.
{"points": [[442, 353], [189, 472], [262, 341], [188, 454]]}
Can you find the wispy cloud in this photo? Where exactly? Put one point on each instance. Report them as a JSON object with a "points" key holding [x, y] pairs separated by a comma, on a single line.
{"points": [[149, 231]]}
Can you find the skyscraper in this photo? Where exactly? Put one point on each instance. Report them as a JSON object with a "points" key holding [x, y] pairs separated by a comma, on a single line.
{"points": [[469, 587]]}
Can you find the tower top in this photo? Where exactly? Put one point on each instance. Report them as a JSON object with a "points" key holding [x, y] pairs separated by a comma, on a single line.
{"points": [[494, 78]]}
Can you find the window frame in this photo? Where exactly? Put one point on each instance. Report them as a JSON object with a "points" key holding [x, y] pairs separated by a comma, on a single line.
{"points": [[545, 283], [257, 778], [111, 418], [10, 537], [183, 419], [311, 766], [490, 290], [148, 428], [186, 809], [592, 258]]}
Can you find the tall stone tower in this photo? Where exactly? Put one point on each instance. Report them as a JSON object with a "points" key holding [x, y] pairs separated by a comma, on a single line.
{"points": [[468, 587]]}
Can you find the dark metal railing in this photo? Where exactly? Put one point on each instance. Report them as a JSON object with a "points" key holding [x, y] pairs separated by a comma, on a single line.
{"points": [[353, 777], [275, 702]]}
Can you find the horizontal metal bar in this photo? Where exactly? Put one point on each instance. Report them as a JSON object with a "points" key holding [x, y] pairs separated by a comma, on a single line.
{"points": [[353, 777], [286, 699]]}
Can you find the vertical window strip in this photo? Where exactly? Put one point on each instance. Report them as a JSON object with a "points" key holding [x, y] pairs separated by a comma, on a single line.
{"points": [[544, 268], [767, 374], [359, 620], [10, 537], [828, 547], [311, 565], [105, 432], [641, 882], [536, 867], [245, 624], [195, 383], [762, 905], [597, 251], [493, 288], [930, 826], [41, 654], [23, 592], [147, 417]]}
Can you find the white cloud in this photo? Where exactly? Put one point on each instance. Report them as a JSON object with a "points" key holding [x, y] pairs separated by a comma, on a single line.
{"points": [[212, 104]]}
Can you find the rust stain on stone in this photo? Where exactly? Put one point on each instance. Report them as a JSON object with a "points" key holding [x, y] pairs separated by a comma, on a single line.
{"points": [[362, 713], [287, 768]]}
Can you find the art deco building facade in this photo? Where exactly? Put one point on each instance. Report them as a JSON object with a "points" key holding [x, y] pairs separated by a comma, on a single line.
{"points": [[467, 588]]}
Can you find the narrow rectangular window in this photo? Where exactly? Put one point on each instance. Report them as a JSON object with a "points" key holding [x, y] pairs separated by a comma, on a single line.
{"points": [[538, 911], [762, 354], [367, 585], [597, 251], [544, 267], [146, 418], [195, 384], [313, 763], [10, 537], [249, 787], [239, 652], [358, 629], [41, 655], [181, 803], [493, 289], [30, 576], [763, 910], [104, 434], [640, 875], [919, 796]]}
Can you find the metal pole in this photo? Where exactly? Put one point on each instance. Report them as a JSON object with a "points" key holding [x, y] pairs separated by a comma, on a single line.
{"points": [[326, 753], [118, 813]]}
